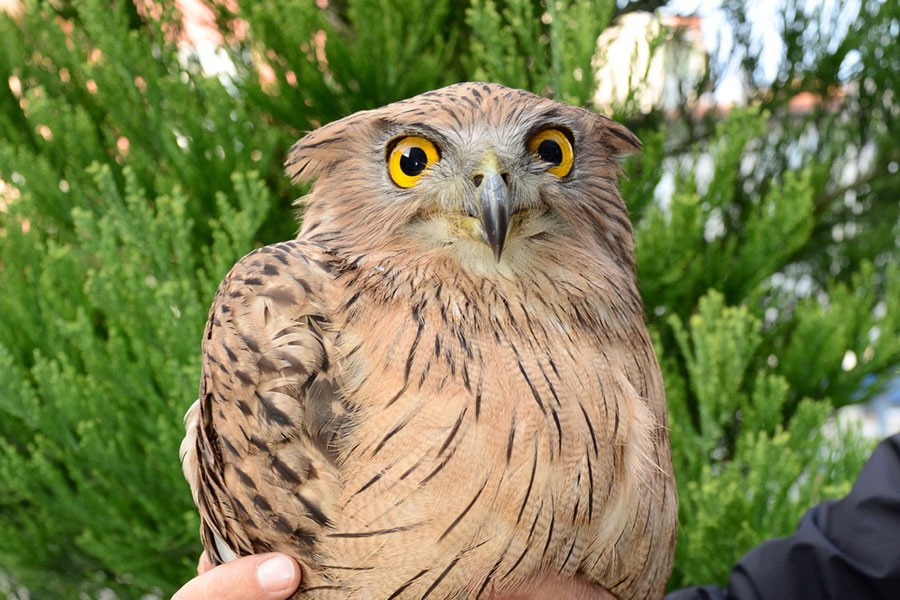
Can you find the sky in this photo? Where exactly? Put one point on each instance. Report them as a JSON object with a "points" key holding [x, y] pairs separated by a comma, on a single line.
{"points": [[765, 18]]}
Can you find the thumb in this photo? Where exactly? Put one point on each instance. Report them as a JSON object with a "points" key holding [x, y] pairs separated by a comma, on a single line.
{"points": [[259, 577]]}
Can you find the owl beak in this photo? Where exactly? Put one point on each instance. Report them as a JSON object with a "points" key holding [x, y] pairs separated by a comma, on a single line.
{"points": [[494, 199]]}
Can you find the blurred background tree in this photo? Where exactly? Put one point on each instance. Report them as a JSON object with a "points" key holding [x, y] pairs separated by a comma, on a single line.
{"points": [[139, 160]]}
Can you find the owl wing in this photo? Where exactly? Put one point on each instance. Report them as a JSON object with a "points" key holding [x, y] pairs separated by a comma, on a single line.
{"points": [[258, 450]]}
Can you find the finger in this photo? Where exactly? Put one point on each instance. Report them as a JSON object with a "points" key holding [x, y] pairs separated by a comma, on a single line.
{"points": [[259, 577], [204, 564]]}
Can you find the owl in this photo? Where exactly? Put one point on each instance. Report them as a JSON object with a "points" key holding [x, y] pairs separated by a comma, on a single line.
{"points": [[443, 387]]}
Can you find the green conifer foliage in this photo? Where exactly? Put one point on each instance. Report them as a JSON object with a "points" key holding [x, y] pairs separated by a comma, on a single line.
{"points": [[134, 180], [541, 46]]}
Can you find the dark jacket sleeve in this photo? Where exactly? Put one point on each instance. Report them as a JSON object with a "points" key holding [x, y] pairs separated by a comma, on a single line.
{"points": [[845, 549]]}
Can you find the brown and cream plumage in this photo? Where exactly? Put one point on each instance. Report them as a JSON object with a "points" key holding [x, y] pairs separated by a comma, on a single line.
{"points": [[443, 387]]}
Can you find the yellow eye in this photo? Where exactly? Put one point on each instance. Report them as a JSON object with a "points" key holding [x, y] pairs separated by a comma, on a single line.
{"points": [[553, 146], [410, 158]]}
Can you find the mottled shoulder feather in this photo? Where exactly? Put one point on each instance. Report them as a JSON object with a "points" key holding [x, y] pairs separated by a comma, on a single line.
{"points": [[258, 450]]}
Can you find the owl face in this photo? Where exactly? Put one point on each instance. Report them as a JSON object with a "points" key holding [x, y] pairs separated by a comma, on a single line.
{"points": [[484, 182], [481, 171]]}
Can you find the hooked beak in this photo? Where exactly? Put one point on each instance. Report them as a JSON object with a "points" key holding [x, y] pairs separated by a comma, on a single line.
{"points": [[493, 199]]}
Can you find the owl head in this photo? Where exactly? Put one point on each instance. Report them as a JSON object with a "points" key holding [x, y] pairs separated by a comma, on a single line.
{"points": [[486, 174]]}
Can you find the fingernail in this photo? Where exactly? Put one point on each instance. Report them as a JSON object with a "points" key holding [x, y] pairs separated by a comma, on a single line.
{"points": [[275, 574]]}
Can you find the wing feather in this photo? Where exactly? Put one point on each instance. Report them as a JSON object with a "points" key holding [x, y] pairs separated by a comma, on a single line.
{"points": [[258, 451]]}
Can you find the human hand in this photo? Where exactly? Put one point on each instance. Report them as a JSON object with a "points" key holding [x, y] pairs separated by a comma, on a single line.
{"points": [[259, 577], [249, 578]]}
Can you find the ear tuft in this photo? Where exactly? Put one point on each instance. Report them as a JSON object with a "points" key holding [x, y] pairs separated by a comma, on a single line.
{"points": [[320, 150], [618, 138]]}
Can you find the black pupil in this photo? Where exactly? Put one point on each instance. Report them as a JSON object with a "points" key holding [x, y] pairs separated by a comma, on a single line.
{"points": [[413, 161], [551, 152]]}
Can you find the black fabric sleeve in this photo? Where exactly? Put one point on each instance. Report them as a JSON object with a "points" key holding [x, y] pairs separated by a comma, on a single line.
{"points": [[845, 549]]}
